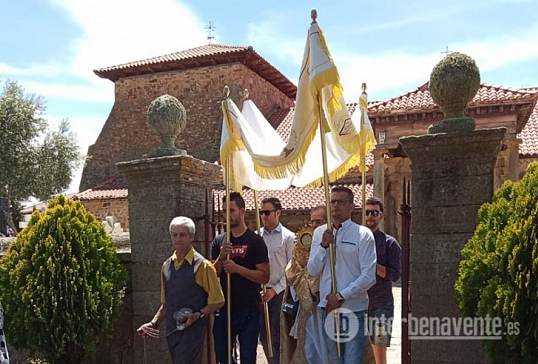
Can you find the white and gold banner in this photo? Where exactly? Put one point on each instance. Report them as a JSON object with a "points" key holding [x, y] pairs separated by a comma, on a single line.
{"points": [[260, 159]]}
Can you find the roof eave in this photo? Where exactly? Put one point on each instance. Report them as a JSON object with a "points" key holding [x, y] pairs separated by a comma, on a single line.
{"points": [[247, 57]]}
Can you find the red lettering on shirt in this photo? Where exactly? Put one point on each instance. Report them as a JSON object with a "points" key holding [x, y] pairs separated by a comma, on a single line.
{"points": [[239, 251]]}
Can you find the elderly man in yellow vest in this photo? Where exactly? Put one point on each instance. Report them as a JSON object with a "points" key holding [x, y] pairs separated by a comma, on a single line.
{"points": [[190, 292]]}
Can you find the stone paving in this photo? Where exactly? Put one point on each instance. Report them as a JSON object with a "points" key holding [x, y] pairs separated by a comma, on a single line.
{"points": [[394, 352]]}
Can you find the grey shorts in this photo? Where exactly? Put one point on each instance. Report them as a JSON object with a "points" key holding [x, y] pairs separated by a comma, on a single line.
{"points": [[380, 324]]}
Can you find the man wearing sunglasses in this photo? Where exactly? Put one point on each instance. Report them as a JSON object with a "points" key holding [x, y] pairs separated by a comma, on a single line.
{"points": [[355, 267], [280, 242], [381, 306]]}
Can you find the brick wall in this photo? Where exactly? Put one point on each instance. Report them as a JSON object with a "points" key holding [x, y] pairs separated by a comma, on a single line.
{"points": [[117, 207], [126, 134]]}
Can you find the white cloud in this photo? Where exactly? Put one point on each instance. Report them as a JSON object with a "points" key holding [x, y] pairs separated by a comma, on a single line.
{"points": [[492, 53], [49, 70], [112, 32], [265, 35], [386, 72], [393, 71], [100, 91], [119, 31]]}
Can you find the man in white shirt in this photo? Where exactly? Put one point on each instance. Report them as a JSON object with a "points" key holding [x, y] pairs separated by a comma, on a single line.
{"points": [[355, 271], [280, 242]]}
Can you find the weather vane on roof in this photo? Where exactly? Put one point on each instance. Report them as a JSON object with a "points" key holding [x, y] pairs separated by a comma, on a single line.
{"points": [[447, 52], [210, 27]]}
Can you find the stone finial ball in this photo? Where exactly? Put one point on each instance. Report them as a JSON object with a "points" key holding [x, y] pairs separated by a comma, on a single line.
{"points": [[454, 82], [167, 115]]}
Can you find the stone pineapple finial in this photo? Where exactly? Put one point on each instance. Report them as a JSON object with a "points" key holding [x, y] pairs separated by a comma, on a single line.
{"points": [[167, 117], [454, 82]]}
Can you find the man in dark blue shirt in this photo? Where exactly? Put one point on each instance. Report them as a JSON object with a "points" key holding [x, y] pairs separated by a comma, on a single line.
{"points": [[381, 305]]}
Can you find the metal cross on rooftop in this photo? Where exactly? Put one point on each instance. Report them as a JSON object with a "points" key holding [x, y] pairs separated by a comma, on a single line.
{"points": [[210, 27], [447, 52]]}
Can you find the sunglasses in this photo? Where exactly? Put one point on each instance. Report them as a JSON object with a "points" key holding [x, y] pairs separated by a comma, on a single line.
{"points": [[316, 222], [375, 213], [266, 212]]}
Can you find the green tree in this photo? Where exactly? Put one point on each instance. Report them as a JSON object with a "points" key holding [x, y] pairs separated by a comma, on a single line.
{"points": [[61, 283], [498, 275], [34, 160]]}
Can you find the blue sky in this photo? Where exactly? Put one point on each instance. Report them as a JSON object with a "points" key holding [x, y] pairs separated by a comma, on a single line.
{"points": [[51, 47]]}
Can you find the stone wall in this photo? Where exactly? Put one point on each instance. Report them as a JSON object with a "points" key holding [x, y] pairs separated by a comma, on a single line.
{"points": [[117, 207], [126, 134]]}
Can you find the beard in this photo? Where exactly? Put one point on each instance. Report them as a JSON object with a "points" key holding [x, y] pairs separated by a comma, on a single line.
{"points": [[372, 224]]}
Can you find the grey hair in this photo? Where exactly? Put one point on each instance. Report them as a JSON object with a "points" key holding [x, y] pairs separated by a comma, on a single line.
{"points": [[183, 221]]}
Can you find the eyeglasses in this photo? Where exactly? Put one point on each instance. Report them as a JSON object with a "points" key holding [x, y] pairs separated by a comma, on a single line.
{"points": [[266, 212], [316, 222], [375, 213], [340, 202]]}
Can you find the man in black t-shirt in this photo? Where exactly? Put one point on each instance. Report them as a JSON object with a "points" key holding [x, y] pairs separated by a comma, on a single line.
{"points": [[249, 268]]}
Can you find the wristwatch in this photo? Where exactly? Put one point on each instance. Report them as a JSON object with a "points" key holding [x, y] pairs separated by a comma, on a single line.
{"points": [[339, 297], [202, 315]]}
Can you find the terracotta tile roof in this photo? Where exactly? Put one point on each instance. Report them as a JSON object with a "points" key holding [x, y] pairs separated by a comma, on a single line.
{"points": [[297, 198], [529, 135], [109, 189], [292, 199], [103, 194], [207, 55], [420, 99]]}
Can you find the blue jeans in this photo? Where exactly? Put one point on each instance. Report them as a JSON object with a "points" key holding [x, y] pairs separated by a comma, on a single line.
{"points": [[246, 326], [380, 324], [352, 346]]}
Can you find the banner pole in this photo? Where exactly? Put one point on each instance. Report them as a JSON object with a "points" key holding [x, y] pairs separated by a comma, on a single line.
{"points": [[227, 171], [363, 152], [334, 287], [228, 275], [264, 287], [363, 205]]}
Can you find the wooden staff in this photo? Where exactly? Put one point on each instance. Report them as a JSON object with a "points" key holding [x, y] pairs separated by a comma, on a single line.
{"points": [[264, 287], [334, 287], [228, 275], [363, 162]]}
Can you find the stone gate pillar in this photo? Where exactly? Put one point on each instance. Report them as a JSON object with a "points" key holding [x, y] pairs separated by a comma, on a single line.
{"points": [[452, 172], [160, 189], [452, 176]]}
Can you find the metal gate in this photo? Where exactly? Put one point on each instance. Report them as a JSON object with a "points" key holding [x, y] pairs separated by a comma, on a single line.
{"points": [[405, 212]]}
